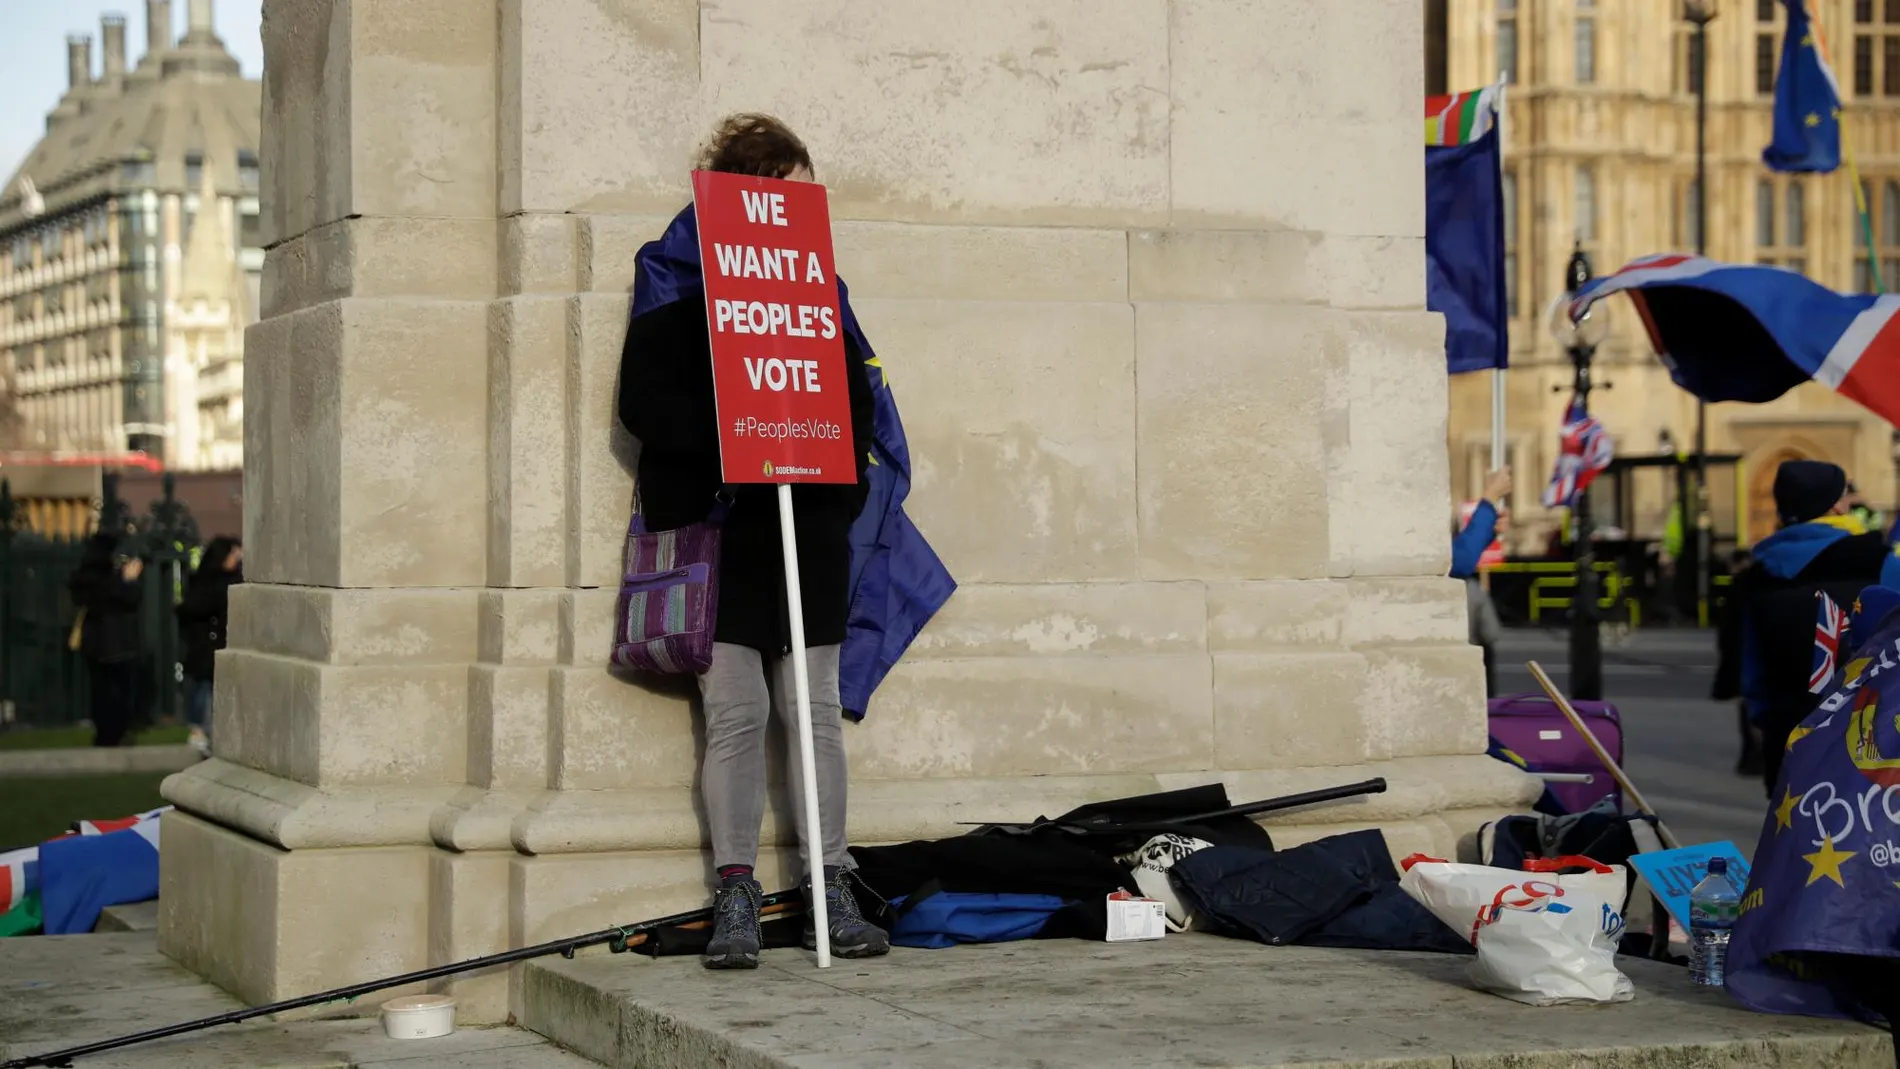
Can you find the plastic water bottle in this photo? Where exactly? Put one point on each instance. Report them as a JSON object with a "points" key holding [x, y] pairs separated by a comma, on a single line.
{"points": [[1713, 906]]}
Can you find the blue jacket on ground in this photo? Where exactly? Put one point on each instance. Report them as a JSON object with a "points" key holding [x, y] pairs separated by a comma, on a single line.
{"points": [[1468, 545], [897, 581]]}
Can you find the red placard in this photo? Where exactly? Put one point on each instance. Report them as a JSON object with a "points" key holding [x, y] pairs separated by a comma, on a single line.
{"points": [[777, 332]]}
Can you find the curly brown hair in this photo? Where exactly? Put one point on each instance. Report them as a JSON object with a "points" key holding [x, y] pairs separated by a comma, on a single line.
{"points": [[756, 145]]}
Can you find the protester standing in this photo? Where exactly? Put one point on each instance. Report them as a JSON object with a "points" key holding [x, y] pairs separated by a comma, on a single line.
{"points": [[666, 401], [1467, 549], [106, 593], [202, 616], [1766, 636]]}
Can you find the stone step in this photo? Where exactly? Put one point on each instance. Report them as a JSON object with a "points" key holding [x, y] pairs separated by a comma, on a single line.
{"points": [[1187, 1001]]}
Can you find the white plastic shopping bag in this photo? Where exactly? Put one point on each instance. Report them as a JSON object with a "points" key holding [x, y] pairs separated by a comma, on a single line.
{"points": [[1543, 937]]}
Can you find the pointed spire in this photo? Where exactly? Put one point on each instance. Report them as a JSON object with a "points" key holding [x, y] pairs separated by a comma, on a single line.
{"points": [[207, 263]]}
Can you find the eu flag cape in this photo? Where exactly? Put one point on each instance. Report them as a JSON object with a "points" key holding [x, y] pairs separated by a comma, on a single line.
{"points": [[1733, 332], [1464, 251], [897, 581], [1807, 133], [1819, 932]]}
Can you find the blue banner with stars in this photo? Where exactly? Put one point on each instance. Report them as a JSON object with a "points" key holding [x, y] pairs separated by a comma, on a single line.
{"points": [[1819, 932], [1807, 133]]}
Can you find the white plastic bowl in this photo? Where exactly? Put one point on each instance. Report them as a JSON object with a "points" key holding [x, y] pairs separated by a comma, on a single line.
{"points": [[419, 1016]]}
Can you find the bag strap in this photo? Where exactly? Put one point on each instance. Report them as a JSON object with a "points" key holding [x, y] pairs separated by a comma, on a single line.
{"points": [[1568, 861], [1421, 859], [722, 505]]}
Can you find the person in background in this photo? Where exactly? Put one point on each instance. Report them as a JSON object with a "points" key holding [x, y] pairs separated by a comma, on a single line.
{"points": [[1766, 635], [106, 594], [1467, 548], [666, 401], [1857, 507], [201, 625]]}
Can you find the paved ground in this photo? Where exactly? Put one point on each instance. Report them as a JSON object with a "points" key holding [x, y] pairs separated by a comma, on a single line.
{"points": [[1679, 747], [63, 991], [1186, 1002]]}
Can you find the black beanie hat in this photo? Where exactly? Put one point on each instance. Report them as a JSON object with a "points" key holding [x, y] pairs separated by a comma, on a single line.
{"points": [[1806, 489]]}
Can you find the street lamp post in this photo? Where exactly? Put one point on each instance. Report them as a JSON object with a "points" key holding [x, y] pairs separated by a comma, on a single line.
{"points": [[1700, 13], [1579, 340]]}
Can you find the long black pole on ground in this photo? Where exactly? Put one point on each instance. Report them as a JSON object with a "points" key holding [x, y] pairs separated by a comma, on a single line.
{"points": [[1700, 14], [620, 939]]}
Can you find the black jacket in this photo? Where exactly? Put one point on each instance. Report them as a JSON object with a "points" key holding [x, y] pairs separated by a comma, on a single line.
{"points": [[110, 632], [666, 401], [203, 612], [1766, 633]]}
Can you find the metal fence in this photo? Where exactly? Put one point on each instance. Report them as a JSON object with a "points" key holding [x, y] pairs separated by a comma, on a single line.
{"points": [[43, 680]]}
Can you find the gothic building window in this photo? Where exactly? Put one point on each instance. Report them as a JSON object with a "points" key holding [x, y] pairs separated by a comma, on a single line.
{"points": [[1507, 39], [1585, 45]]}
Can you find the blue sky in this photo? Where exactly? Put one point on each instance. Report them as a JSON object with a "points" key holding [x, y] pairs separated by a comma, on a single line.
{"points": [[33, 55]]}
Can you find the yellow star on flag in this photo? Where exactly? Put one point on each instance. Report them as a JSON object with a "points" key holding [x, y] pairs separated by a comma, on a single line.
{"points": [[1827, 862], [1784, 813], [1812, 119], [1807, 40]]}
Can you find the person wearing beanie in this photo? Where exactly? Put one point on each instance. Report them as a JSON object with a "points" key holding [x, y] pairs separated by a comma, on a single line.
{"points": [[1766, 634]]}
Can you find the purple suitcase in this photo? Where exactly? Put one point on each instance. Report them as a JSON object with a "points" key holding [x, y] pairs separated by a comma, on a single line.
{"points": [[1531, 726]]}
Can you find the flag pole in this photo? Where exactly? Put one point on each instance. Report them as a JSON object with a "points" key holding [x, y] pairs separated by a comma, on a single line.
{"points": [[1847, 157], [1498, 452]]}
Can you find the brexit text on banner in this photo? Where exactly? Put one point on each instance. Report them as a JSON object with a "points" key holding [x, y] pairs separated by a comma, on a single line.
{"points": [[772, 310]]}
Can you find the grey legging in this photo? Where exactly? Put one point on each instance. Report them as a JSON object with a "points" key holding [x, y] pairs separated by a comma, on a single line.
{"points": [[733, 779]]}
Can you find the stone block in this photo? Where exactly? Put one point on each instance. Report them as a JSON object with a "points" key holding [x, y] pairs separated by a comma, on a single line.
{"points": [[540, 253], [1014, 716], [1277, 267], [1422, 701], [268, 924], [377, 256], [467, 919], [1054, 113], [521, 626], [332, 725], [562, 894], [569, 138], [1052, 620], [608, 732], [1397, 398], [508, 726], [421, 100], [981, 263], [1238, 411], [1306, 166], [304, 154], [1266, 616], [296, 816], [610, 247], [375, 626], [1021, 422], [528, 414], [360, 407], [601, 454], [293, 482], [587, 625], [1386, 612], [1290, 710], [413, 411]]}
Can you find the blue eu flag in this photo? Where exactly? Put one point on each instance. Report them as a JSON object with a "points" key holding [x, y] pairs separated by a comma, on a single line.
{"points": [[1464, 251], [1807, 102]]}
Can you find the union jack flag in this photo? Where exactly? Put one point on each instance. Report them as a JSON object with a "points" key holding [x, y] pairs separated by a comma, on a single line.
{"points": [[19, 873], [1584, 451], [1829, 623]]}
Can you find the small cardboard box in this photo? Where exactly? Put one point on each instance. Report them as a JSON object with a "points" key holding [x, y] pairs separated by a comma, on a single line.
{"points": [[1132, 918]]}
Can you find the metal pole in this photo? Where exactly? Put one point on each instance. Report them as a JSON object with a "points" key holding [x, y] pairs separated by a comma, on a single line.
{"points": [[1701, 14], [1586, 641], [807, 761]]}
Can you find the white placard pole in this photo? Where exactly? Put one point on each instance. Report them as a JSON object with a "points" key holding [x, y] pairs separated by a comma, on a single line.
{"points": [[1497, 418], [801, 678]]}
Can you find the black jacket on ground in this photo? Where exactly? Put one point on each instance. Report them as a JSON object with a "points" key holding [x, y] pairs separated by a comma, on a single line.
{"points": [[666, 401], [111, 629], [1766, 634], [205, 608]]}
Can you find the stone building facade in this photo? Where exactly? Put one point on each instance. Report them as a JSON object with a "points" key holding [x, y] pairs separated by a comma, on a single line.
{"points": [[1600, 149], [130, 252]]}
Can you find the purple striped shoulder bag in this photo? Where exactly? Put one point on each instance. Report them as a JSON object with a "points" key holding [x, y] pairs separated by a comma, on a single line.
{"points": [[669, 597]]}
